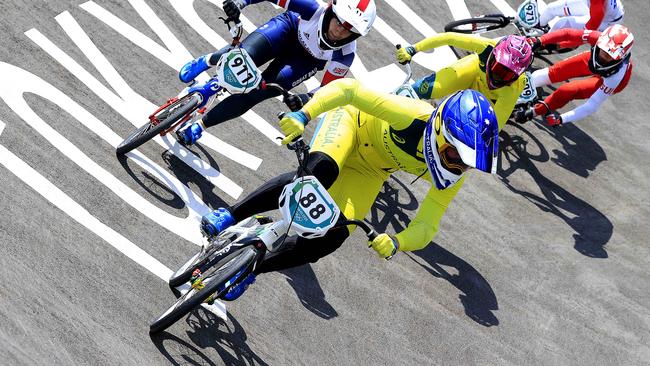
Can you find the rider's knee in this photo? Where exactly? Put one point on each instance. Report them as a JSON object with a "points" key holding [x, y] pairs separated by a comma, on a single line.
{"points": [[323, 167]]}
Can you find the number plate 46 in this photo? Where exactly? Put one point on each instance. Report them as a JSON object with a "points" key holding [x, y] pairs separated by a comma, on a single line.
{"points": [[307, 205], [237, 72]]}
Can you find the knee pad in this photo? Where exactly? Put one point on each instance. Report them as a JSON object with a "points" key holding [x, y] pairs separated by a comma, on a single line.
{"points": [[323, 167]]}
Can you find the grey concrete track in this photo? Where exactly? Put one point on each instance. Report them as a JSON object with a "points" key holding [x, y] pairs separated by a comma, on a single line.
{"points": [[545, 263]]}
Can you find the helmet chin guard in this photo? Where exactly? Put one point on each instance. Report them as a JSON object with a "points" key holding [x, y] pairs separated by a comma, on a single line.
{"points": [[465, 121]]}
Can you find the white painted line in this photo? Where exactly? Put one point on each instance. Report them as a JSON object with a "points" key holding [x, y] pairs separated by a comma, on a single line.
{"points": [[434, 60], [504, 7], [131, 105], [15, 82], [458, 9], [189, 14], [66, 204]]}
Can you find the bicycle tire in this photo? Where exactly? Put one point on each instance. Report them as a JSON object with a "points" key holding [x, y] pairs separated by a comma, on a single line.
{"points": [[479, 24], [184, 273], [224, 271], [179, 278], [146, 132]]}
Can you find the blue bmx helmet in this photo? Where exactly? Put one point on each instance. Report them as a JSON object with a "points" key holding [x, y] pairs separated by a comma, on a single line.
{"points": [[462, 133]]}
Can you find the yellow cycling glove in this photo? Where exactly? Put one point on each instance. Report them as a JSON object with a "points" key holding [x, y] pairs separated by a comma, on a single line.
{"points": [[384, 245], [404, 54], [293, 125]]}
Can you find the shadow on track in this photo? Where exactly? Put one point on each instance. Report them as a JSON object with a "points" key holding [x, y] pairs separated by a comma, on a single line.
{"points": [[477, 296], [208, 331], [593, 229], [190, 177], [182, 172], [169, 198], [304, 282]]}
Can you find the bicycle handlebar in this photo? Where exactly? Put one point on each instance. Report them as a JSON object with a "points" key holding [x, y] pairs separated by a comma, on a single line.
{"points": [[368, 229], [407, 66]]}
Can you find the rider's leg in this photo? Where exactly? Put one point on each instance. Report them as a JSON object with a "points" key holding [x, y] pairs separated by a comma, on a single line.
{"points": [[265, 198], [262, 45], [572, 67], [576, 89], [563, 8], [335, 139], [268, 42], [355, 192]]}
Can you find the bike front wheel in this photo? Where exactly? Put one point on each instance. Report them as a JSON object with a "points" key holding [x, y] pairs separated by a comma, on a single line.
{"points": [[213, 281], [167, 117], [479, 24]]}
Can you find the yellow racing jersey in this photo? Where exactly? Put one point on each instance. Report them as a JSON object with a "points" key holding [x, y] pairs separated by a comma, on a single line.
{"points": [[469, 73], [390, 133]]}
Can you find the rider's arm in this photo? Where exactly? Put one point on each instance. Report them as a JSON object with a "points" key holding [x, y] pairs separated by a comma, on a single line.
{"points": [[306, 8], [595, 100], [424, 226], [506, 100], [339, 65], [569, 38], [465, 41], [596, 14], [398, 111]]}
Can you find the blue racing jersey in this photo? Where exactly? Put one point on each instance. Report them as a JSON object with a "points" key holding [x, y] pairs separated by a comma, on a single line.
{"points": [[310, 14]]}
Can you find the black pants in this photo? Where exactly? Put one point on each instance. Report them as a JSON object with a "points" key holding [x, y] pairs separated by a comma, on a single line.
{"points": [[296, 250]]}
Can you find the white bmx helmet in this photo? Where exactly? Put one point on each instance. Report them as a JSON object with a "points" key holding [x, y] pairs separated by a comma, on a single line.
{"points": [[356, 16]]}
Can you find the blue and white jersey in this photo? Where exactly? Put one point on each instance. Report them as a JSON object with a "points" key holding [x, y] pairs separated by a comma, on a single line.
{"points": [[309, 13]]}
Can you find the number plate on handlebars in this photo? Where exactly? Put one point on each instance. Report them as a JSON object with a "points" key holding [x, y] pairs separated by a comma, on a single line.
{"points": [[237, 72], [307, 205], [529, 94], [528, 14]]}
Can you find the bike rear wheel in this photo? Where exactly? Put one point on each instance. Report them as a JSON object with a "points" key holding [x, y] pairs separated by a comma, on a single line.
{"points": [[240, 261], [167, 117]]}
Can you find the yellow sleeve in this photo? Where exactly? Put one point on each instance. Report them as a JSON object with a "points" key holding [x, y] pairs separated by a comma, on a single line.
{"points": [[398, 111], [507, 99], [425, 225], [465, 41]]}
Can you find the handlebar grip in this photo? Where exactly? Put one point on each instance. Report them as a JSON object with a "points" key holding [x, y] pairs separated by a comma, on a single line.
{"points": [[372, 235], [398, 46]]}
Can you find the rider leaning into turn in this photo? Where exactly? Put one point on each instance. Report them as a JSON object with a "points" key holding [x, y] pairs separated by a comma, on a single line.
{"points": [[496, 69], [607, 65], [582, 14], [298, 42], [364, 137]]}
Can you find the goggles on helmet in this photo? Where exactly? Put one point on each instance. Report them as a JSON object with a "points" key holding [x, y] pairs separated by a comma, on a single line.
{"points": [[499, 75]]}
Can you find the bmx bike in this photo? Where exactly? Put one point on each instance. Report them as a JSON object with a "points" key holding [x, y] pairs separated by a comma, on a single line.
{"points": [[307, 210], [235, 73]]}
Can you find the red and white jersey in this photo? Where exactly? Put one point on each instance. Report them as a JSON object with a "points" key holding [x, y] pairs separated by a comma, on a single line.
{"points": [[603, 13]]}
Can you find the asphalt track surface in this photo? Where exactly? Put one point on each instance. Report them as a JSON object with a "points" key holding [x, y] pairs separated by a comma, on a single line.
{"points": [[545, 263]]}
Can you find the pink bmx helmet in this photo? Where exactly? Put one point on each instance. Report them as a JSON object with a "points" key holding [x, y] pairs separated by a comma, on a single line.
{"points": [[509, 59]]}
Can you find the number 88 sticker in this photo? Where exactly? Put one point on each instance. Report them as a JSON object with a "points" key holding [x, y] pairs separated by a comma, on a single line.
{"points": [[313, 205]]}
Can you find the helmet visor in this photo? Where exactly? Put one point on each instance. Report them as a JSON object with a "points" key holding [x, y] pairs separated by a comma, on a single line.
{"points": [[499, 74], [482, 156]]}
